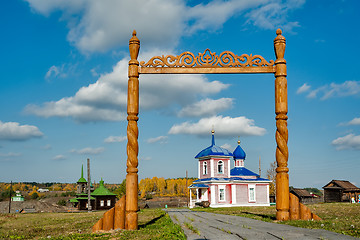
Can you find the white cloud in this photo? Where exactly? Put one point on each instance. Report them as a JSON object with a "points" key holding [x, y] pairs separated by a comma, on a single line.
{"points": [[106, 99], [88, 151], [10, 154], [145, 158], [349, 141], [59, 157], [206, 107], [13, 131], [159, 139], [224, 126], [348, 88], [53, 71], [355, 121], [112, 139], [46, 147], [227, 146], [345, 89], [303, 88], [62, 71], [274, 14], [102, 25]]}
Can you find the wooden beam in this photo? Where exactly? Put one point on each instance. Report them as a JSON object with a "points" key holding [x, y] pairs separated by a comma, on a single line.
{"points": [[205, 70]]}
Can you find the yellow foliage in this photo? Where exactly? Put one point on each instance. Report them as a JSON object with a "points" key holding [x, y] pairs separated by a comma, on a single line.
{"points": [[162, 187]]}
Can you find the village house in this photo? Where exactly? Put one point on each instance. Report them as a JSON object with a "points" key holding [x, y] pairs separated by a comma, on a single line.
{"points": [[18, 197], [304, 196], [100, 198], [220, 186], [340, 191]]}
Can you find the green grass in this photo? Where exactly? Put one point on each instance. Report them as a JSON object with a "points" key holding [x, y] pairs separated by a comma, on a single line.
{"points": [[342, 218], [192, 228], [153, 224]]}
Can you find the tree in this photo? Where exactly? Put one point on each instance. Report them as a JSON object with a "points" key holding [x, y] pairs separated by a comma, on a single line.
{"points": [[121, 190], [271, 175]]}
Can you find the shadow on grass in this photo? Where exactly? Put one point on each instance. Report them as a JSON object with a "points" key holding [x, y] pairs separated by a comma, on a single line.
{"points": [[272, 218], [152, 221]]}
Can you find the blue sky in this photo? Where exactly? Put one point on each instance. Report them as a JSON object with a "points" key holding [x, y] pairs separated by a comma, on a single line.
{"points": [[64, 85]]}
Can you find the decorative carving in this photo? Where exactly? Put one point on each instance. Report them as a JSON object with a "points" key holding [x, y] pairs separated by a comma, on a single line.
{"points": [[208, 59]]}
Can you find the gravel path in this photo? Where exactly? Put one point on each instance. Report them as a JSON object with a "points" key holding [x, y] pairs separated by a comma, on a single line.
{"points": [[203, 225]]}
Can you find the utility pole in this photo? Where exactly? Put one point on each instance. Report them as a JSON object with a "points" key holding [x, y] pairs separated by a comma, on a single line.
{"points": [[186, 190], [88, 185], [259, 166], [10, 196]]}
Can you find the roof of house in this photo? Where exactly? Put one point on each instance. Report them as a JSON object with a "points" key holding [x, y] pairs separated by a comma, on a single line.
{"points": [[242, 171], [239, 152], [198, 185], [214, 179], [102, 190], [82, 179], [301, 192], [213, 150], [341, 184]]}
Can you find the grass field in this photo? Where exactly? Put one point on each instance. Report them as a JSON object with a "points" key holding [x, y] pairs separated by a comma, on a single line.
{"points": [[342, 218], [153, 224]]}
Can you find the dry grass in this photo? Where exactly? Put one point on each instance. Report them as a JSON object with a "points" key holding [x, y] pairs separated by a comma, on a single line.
{"points": [[153, 224], [337, 217]]}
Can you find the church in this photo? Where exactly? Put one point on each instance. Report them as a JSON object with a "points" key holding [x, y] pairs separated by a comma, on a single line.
{"points": [[100, 198], [219, 185]]}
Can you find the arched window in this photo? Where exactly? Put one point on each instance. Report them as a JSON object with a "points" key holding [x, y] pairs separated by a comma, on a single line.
{"points": [[204, 168], [220, 166]]}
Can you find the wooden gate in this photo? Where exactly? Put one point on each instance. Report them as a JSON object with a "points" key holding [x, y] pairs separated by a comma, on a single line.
{"points": [[208, 63]]}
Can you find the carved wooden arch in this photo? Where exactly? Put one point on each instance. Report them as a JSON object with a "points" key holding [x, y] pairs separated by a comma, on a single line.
{"points": [[207, 63]]}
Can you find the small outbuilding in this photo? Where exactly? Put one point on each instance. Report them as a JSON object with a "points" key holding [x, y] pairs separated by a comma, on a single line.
{"points": [[340, 191], [303, 195]]}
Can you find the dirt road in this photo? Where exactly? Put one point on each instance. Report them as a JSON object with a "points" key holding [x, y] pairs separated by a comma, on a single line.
{"points": [[203, 225]]}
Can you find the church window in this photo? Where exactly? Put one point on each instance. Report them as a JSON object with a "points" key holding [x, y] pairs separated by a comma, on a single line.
{"points": [[101, 203], [109, 203], [252, 194], [205, 168], [220, 166], [221, 194]]}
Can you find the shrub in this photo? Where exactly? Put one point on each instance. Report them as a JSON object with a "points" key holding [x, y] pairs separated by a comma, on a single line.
{"points": [[61, 202], [35, 195]]}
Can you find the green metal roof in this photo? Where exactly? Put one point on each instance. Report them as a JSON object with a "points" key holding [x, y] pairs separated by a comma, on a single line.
{"points": [[82, 179], [80, 198], [74, 200], [102, 190]]}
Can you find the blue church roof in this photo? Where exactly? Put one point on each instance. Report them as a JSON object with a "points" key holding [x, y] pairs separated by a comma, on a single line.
{"points": [[242, 171], [213, 150], [239, 152]]}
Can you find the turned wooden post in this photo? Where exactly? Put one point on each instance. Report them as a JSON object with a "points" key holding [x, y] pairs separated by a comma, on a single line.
{"points": [[281, 109], [132, 136]]}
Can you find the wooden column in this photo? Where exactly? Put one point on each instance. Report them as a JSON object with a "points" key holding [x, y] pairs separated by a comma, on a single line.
{"points": [[281, 109], [132, 136]]}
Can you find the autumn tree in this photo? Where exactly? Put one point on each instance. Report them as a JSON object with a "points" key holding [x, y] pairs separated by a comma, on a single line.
{"points": [[271, 175]]}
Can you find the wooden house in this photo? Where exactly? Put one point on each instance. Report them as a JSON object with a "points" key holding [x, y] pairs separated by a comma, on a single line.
{"points": [[303, 195], [100, 198], [340, 191]]}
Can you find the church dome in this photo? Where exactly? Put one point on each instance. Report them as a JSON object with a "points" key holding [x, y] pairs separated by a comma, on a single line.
{"points": [[82, 179], [213, 150], [239, 152]]}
